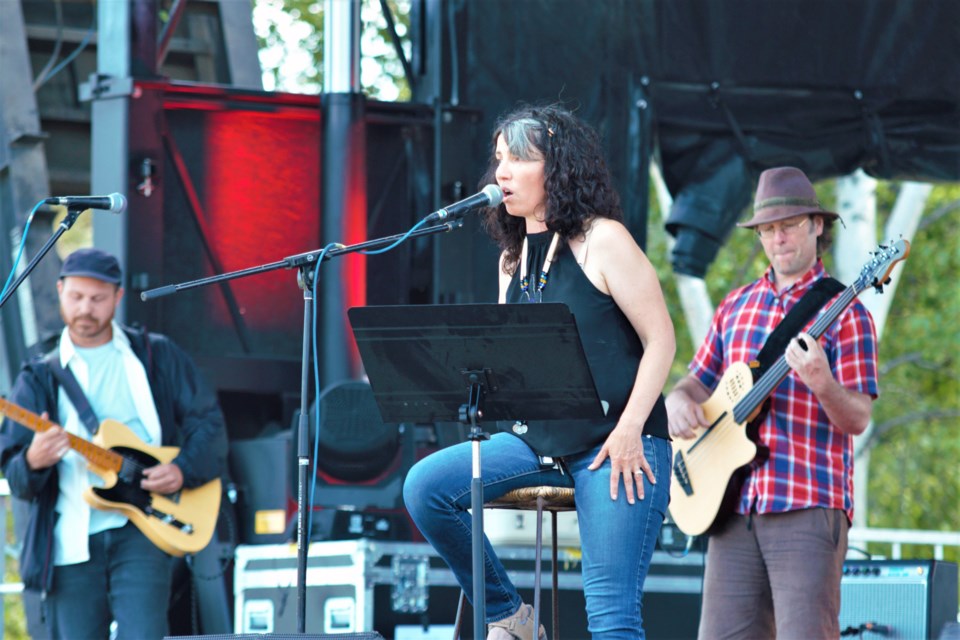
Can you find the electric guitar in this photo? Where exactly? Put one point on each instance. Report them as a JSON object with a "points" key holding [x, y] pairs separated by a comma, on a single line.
{"points": [[178, 523], [705, 483]]}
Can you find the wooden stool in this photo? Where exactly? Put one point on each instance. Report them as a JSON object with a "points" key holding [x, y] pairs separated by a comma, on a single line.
{"points": [[539, 499]]}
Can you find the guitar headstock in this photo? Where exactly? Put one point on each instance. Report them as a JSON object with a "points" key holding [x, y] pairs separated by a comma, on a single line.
{"points": [[876, 272]]}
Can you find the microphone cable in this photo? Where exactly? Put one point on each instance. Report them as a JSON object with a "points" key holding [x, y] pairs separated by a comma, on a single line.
{"points": [[316, 358], [23, 243]]}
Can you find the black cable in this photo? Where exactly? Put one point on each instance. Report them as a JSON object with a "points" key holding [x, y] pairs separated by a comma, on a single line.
{"points": [[866, 554], [227, 517], [866, 627]]}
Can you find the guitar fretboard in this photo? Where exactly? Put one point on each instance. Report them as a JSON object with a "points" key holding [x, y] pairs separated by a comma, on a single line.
{"points": [[97, 456]]}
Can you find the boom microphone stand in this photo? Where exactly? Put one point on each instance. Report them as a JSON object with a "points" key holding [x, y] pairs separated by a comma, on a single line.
{"points": [[306, 264], [73, 212]]}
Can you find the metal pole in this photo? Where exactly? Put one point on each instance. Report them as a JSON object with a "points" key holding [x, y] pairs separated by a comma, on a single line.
{"points": [[109, 93], [344, 173], [303, 454]]}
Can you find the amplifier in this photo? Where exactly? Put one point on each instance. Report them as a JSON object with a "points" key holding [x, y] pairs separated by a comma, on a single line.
{"points": [[898, 598]]}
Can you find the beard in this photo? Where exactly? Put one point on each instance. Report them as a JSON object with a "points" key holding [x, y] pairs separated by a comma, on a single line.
{"points": [[87, 326]]}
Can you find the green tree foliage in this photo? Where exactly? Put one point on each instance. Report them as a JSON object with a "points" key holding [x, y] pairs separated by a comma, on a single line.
{"points": [[14, 618], [914, 470], [290, 33]]}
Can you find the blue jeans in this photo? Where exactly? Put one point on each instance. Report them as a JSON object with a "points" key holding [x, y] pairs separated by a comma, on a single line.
{"points": [[127, 579], [617, 538]]}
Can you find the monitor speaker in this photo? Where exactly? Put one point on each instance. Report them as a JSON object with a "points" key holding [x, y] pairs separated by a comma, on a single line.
{"points": [[898, 598], [260, 468]]}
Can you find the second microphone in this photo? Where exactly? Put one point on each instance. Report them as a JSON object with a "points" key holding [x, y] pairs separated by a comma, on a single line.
{"points": [[489, 196]]}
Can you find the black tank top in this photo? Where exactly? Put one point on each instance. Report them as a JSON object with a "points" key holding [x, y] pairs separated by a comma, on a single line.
{"points": [[610, 343]]}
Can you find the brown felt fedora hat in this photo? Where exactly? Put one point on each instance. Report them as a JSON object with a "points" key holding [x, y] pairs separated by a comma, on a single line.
{"points": [[784, 192]]}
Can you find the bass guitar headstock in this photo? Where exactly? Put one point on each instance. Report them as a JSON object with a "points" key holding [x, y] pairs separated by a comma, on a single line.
{"points": [[876, 272]]}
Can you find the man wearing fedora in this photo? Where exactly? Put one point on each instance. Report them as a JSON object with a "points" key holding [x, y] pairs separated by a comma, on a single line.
{"points": [[94, 567], [773, 569]]}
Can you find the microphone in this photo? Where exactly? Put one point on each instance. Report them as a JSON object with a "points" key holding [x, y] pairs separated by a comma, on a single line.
{"points": [[115, 202], [490, 196]]}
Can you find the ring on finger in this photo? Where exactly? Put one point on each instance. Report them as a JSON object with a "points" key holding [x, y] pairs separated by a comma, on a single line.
{"points": [[638, 472]]}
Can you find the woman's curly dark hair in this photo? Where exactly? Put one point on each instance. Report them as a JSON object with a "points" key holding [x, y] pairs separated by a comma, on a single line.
{"points": [[576, 179]]}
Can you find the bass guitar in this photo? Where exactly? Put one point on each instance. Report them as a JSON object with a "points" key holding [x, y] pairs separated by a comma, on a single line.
{"points": [[178, 523], [706, 467]]}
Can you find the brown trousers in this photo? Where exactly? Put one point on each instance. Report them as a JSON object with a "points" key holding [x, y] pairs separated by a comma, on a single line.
{"points": [[775, 576]]}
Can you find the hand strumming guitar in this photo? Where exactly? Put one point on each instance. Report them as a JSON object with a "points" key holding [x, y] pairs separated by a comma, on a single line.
{"points": [[162, 478]]}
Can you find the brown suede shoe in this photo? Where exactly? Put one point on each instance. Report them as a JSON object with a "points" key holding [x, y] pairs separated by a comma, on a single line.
{"points": [[519, 626]]}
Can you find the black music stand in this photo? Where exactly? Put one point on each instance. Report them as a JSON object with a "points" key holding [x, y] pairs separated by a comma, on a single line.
{"points": [[443, 363]]}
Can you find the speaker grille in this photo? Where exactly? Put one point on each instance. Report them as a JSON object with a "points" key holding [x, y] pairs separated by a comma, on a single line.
{"points": [[899, 606], [892, 595]]}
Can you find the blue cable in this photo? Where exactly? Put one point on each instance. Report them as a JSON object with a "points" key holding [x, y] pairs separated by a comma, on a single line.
{"points": [[23, 243], [73, 54], [316, 387], [316, 359], [373, 252]]}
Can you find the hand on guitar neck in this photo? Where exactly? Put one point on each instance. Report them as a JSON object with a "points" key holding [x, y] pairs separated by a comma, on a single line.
{"points": [[847, 410], [47, 447]]}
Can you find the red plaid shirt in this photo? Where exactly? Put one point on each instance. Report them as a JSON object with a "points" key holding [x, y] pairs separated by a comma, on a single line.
{"points": [[811, 461]]}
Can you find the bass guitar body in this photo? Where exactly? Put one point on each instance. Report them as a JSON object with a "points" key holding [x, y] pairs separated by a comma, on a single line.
{"points": [[705, 466]]}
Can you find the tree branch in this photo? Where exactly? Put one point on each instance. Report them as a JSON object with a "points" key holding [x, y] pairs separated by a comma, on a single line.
{"points": [[915, 358], [914, 416], [938, 213]]}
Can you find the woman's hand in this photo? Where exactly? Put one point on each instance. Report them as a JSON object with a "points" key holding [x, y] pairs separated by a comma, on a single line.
{"points": [[624, 447]]}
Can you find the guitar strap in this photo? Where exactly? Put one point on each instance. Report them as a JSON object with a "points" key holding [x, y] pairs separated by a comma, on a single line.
{"points": [[822, 291], [813, 300], [69, 383]]}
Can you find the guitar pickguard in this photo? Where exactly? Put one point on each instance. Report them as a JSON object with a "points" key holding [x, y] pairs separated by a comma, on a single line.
{"points": [[127, 489]]}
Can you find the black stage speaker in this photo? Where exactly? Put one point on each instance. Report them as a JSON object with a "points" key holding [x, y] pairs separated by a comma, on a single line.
{"points": [[370, 635], [260, 468], [898, 598]]}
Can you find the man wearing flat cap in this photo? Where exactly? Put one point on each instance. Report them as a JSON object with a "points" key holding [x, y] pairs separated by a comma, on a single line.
{"points": [[773, 568], [92, 566]]}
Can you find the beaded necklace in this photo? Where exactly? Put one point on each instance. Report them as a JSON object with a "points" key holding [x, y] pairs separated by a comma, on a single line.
{"points": [[544, 274]]}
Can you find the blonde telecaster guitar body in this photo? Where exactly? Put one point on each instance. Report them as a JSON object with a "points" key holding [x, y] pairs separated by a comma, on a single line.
{"points": [[179, 523]]}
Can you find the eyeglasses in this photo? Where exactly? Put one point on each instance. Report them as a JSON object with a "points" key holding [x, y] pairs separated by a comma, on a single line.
{"points": [[767, 231]]}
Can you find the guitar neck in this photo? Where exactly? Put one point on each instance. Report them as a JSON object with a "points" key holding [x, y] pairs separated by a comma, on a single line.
{"points": [[95, 455], [779, 370]]}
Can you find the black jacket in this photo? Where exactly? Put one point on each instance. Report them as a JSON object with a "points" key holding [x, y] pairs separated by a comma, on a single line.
{"points": [[189, 418]]}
